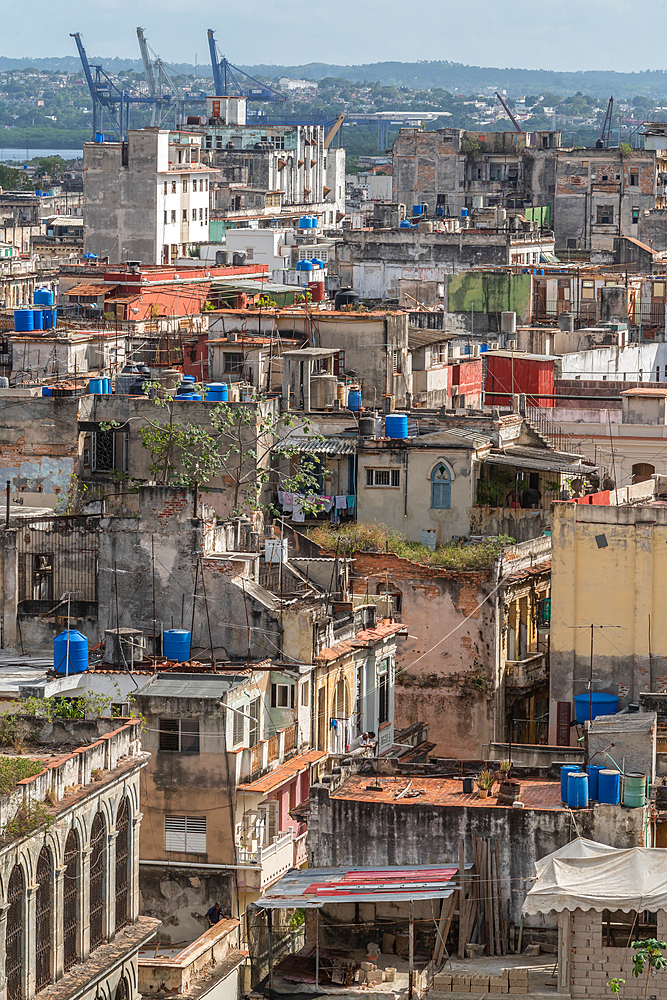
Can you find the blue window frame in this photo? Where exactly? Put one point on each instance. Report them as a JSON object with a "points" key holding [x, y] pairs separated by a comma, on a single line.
{"points": [[441, 488]]}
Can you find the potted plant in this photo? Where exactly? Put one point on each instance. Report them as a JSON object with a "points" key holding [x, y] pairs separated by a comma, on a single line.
{"points": [[504, 772], [484, 780]]}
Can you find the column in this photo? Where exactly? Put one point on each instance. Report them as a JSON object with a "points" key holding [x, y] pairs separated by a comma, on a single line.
{"points": [[30, 941], [3, 931], [564, 952], [110, 887], [133, 894], [57, 927]]}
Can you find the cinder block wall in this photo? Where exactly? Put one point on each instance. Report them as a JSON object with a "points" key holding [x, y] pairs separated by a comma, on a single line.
{"points": [[592, 965]]}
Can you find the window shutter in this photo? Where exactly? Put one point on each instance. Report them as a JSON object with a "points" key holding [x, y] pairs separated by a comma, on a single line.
{"points": [[292, 696], [238, 728], [196, 835], [174, 833], [273, 696], [169, 739]]}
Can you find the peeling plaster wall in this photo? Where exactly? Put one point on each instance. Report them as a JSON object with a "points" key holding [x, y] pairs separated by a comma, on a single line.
{"points": [[39, 447]]}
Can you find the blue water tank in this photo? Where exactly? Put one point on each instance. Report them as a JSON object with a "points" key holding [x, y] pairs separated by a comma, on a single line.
{"points": [[396, 425], [176, 644], [46, 390], [483, 348], [593, 772], [306, 265], [577, 790], [565, 771], [603, 704], [313, 222], [354, 399], [108, 388], [43, 297], [216, 392], [47, 319], [76, 645], [38, 319], [317, 262], [405, 224], [609, 786], [464, 213], [416, 210], [304, 222], [24, 320], [95, 386]]}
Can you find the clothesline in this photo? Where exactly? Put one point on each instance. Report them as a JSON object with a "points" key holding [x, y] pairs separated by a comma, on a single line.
{"points": [[293, 503]]}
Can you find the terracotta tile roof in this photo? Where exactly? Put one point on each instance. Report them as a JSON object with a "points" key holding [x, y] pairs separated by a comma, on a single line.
{"points": [[283, 773], [366, 637], [90, 290], [444, 792]]}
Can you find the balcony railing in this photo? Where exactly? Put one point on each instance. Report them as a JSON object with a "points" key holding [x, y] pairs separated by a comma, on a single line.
{"points": [[272, 861], [300, 850], [290, 738], [525, 673], [256, 758], [273, 748]]}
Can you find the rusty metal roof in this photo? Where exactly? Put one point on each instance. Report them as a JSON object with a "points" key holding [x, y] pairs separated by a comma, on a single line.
{"points": [[312, 888]]}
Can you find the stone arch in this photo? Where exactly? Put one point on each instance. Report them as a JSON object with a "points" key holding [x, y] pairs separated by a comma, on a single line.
{"points": [[71, 896], [123, 858], [43, 920], [15, 934], [98, 861]]}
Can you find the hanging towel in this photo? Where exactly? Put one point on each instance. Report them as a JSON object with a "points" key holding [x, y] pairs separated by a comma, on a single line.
{"points": [[341, 503], [350, 501], [297, 509], [281, 497], [287, 502], [328, 503], [335, 516]]}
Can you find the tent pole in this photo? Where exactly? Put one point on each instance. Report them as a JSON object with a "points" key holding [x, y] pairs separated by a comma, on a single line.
{"points": [[269, 941], [317, 947], [411, 947]]}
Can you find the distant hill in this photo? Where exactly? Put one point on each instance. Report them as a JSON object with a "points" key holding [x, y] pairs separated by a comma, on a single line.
{"points": [[418, 75]]}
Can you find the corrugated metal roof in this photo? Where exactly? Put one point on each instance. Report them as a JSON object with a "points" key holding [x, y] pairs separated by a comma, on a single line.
{"points": [[328, 446], [274, 779], [312, 888], [193, 685], [91, 289], [424, 338], [550, 463]]}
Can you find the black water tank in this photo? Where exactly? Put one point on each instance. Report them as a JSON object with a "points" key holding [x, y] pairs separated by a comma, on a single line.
{"points": [[221, 258], [345, 297], [136, 388], [239, 258]]}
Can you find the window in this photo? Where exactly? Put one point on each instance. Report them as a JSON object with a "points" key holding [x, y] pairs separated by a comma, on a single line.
{"points": [[658, 289], [179, 735], [71, 899], [605, 216], [635, 216], [305, 694], [173, 215], [173, 187], [588, 290], [441, 488], [14, 935], [165, 216], [122, 863], [339, 363], [165, 187], [397, 362], [253, 737], [109, 451], [201, 214], [185, 185], [194, 214], [97, 866], [186, 834], [250, 253], [206, 184], [238, 727], [206, 215], [282, 696], [634, 178], [383, 477], [233, 362], [383, 695], [43, 934], [185, 215]]}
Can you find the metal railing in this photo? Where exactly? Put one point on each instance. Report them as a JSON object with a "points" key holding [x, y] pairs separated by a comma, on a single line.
{"points": [[540, 420]]}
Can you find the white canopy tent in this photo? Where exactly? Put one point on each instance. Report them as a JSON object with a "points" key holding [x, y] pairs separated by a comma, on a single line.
{"points": [[589, 876]]}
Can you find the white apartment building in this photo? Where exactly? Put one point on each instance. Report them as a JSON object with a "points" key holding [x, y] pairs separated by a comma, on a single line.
{"points": [[146, 199]]}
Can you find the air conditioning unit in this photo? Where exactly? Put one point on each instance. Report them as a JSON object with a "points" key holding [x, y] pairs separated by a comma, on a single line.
{"points": [[494, 346], [511, 346], [475, 350]]}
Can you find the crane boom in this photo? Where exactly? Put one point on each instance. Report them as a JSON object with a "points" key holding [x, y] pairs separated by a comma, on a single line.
{"points": [[148, 65], [215, 65], [511, 117], [331, 134], [605, 134], [84, 62]]}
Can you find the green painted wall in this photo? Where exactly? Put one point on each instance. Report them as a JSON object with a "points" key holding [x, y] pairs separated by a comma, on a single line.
{"points": [[489, 293]]}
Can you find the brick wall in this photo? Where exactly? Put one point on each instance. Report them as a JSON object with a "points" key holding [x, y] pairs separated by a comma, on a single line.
{"points": [[592, 965]]}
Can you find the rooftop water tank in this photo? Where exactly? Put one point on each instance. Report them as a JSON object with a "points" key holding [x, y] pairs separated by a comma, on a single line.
{"points": [[304, 222], [577, 790], [609, 786], [345, 297], [405, 224], [38, 319], [396, 425], [176, 644], [24, 320], [354, 400], [317, 262], [216, 392], [43, 297], [70, 652], [603, 704]]}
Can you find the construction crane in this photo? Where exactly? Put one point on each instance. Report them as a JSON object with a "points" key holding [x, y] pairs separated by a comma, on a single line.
{"points": [[111, 105], [331, 134], [226, 82], [605, 134], [511, 117], [161, 87]]}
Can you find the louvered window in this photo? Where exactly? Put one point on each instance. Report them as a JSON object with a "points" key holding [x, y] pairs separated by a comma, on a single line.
{"points": [[185, 834], [238, 727], [179, 735], [441, 488]]}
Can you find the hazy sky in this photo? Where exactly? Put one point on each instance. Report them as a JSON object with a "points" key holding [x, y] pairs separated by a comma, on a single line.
{"points": [[561, 34]]}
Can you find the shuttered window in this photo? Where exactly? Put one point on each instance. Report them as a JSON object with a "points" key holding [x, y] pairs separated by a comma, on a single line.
{"points": [[238, 727], [441, 488], [179, 735], [186, 834]]}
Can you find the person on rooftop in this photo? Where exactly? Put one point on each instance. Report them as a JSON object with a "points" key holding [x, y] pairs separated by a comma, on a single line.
{"points": [[214, 914]]}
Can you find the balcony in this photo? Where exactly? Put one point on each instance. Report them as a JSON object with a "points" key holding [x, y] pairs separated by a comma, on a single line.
{"points": [[269, 863], [526, 673], [300, 851], [270, 752]]}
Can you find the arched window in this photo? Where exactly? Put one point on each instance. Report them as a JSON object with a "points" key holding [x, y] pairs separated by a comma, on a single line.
{"points": [[43, 921], [122, 992], [122, 862], [642, 471], [441, 488], [71, 899], [14, 936], [97, 862]]}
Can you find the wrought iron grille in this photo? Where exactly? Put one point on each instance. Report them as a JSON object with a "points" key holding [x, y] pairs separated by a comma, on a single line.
{"points": [[55, 555], [14, 938], [97, 860], [122, 860], [43, 935], [71, 899]]}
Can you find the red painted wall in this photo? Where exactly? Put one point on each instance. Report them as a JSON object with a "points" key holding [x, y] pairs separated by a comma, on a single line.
{"points": [[518, 375]]}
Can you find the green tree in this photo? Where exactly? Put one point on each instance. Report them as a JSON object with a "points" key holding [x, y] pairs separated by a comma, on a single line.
{"points": [[648, 954]]}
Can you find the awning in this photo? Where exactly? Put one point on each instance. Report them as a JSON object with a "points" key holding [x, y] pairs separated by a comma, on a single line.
{"points": [[91, 290], [317, 446], [274, 779], [547, 257], [550, 463], [586, 875], [312, 888]]}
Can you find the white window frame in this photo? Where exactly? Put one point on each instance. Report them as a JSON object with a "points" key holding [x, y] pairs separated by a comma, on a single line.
{"points": [[185, 834], [393, 476]]}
